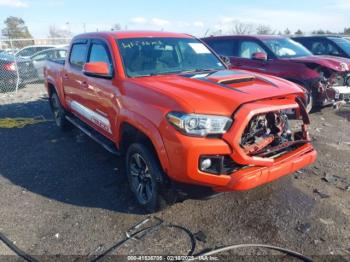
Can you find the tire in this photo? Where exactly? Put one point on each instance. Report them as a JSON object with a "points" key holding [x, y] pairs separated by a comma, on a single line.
{"points": [[59, 113], [145, 177]]}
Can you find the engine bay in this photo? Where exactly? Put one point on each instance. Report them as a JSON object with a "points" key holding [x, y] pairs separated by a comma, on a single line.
{"points": [[270, 134]]}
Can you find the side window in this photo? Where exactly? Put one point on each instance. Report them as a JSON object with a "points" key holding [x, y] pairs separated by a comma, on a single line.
{"points": [[324, 47], [40, 57], [61, 54], [332, 49], [78, 55], [99, 53], [248, 48], [222, 47], [26, 52]]}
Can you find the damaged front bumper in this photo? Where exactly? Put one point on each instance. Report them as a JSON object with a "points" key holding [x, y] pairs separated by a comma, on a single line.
{"points": [[342, 93], [328, 92], [240, 169]]}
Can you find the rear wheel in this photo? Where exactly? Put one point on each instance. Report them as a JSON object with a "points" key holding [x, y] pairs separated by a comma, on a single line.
{"points": [[144, 176], [59, 113]]}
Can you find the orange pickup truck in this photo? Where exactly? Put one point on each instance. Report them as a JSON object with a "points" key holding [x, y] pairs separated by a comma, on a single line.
{"points": [[170, 105]]}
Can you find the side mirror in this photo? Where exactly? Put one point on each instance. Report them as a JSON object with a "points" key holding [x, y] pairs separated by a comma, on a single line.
{"points": [[97, 69], [261, 56], [226, 60]]}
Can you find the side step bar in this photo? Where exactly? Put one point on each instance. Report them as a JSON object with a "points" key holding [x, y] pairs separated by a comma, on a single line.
{"points": [[97, 137]]}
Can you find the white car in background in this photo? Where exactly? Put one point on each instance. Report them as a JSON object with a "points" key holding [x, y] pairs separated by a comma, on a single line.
{"points": [[28, 51], [39, 59]]}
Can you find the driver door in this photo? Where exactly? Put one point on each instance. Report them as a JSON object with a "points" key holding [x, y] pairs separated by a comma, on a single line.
{"points": [[245, 60]]}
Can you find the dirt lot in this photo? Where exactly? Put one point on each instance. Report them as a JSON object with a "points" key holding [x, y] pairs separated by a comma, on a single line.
{"points": [[62, 194]]}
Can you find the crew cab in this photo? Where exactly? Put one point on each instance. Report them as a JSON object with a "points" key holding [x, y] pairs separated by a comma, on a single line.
{"points": [[180, 117], [326, 78]]}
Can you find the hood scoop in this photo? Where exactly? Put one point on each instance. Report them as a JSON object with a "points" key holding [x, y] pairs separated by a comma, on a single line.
{"points": [[231, 78], [236, 80]]}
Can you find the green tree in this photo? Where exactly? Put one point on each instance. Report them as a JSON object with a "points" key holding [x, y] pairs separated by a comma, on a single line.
{"points": [[287, 31], [318, 32], [347, 31], [264, 30], [299, 32], [15, 28], [116, 27]]}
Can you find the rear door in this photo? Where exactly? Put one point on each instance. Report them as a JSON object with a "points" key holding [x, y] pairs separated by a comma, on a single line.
{"points": [[223, 47], [79, 95]]}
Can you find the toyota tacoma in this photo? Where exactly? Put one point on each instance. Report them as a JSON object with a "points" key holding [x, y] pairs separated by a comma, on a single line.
{"points": [[178, 114]]}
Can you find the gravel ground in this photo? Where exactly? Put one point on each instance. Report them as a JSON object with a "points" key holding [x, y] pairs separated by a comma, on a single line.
{"points": [[62, 194]]}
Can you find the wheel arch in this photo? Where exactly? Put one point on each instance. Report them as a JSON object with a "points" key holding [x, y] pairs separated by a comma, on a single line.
{"points": [[133, 131]]}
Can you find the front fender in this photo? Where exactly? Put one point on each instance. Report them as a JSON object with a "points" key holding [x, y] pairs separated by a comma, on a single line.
{"points": [[149, 129]]}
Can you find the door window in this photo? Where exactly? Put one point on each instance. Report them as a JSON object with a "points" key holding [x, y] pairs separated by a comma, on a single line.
{"points": [[222, 47], [99, 53], [248, 48], [40, 57], [78, 55], [324, 48]]}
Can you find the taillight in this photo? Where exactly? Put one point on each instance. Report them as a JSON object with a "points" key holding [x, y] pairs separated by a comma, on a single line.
{"points": [[10, 67]]}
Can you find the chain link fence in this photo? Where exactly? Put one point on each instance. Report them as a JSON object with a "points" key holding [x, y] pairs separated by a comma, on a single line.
{"points": [[22, 62]]}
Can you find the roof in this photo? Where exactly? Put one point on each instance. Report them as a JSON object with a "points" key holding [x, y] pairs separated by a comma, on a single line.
{"points": [[261, 37], [317, 36], [134, 34]]}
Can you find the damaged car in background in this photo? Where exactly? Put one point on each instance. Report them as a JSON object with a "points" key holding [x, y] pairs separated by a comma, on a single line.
{"points": [[327, 79]]}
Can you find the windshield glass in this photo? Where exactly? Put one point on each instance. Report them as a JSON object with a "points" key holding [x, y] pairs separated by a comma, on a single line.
{"points": [[286, 48], [342, 43], [156, 56]]}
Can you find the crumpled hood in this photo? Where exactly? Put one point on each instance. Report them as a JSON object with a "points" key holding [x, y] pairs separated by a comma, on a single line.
{"points": [[335, 63], [220, 92]]}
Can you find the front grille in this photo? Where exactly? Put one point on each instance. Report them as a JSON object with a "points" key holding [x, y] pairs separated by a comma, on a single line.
{"points": [[229, 166]]}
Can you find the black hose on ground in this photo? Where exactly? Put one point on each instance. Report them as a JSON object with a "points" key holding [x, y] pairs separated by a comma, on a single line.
{"points": [[15, 249], [135, 233], [231, 247], [138, 234]]}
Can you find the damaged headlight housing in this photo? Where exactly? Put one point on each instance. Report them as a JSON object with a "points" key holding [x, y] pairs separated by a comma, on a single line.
{"points": [[344, 67], [199, 125]]}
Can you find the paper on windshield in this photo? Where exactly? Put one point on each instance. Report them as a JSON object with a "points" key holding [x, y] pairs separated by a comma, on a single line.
{"points": [[199, 48]]}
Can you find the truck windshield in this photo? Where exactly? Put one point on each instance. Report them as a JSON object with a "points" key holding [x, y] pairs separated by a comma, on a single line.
{"points": [[157, 56], [286, 48]]}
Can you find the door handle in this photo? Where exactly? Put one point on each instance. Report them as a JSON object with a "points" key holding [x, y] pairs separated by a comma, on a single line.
{"points": [[65, 76]]}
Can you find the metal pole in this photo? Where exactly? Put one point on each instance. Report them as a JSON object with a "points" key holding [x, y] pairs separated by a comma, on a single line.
{"points": [[14, 58]]}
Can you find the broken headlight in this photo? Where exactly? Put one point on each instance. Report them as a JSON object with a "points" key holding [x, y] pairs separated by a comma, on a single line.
{"points": [[199, 125]]}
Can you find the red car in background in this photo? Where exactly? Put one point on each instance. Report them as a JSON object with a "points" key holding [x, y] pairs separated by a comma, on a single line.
{"points": [[326, 78]]}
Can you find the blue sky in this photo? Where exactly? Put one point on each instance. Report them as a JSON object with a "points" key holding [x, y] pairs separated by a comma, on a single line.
{"points": [[190, 16]]}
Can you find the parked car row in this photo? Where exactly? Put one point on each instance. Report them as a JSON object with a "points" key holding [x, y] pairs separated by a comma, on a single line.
{"points": [[326, 78], [15, 72], [26, 66]]}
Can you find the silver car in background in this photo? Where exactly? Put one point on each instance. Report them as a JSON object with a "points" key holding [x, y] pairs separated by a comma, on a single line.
{"points": [[39, 59]]}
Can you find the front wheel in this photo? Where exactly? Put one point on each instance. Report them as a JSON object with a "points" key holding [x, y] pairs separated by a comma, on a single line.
{"points": [[144, 176]]}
